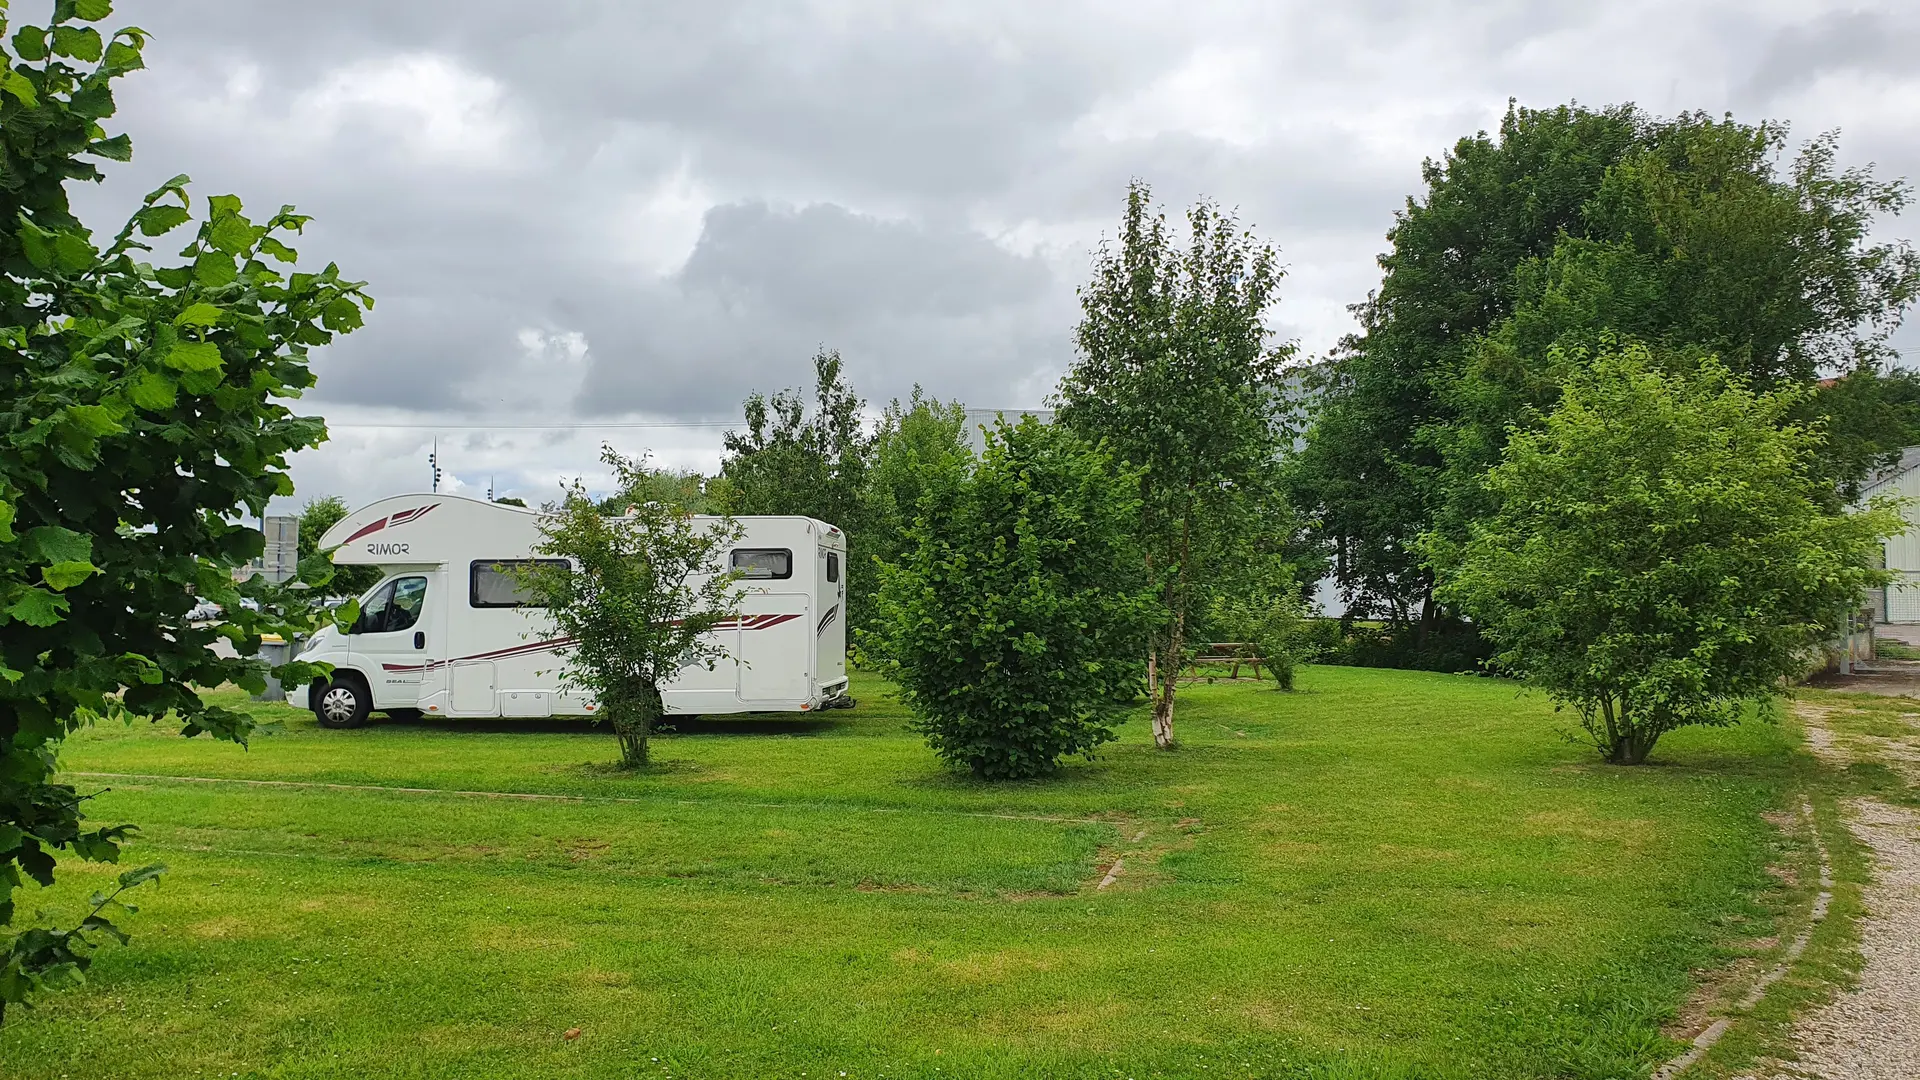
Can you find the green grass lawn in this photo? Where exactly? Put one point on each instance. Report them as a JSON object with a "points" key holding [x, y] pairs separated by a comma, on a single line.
{"points": [[1387, 874]]}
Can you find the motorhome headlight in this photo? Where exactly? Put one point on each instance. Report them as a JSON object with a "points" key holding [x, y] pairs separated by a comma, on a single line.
{"points": [[313, 643]]}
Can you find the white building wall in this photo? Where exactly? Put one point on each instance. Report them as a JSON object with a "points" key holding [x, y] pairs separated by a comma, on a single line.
{"points": [[1903, 551]]}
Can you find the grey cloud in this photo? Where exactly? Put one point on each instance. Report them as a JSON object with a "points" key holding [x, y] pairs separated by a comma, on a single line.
{"points": [[826, 264], [1836, 41], [705, 193], [765, 287]]}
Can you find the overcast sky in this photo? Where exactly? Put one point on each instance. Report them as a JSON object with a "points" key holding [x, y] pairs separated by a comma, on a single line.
{"points": [[635, 213]]}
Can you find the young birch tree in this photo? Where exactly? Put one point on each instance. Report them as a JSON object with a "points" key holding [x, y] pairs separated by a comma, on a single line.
{"points": [[1178, 375], [637, 595]]}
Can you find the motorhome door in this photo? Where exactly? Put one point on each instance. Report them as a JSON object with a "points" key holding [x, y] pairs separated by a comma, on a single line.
{"points": [[392, 640]]}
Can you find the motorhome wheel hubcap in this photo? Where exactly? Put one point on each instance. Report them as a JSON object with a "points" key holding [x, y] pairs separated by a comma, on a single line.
{"points": [[338, 703]]}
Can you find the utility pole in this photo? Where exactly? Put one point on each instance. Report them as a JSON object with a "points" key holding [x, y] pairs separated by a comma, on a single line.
{"points": [[433, 461]]}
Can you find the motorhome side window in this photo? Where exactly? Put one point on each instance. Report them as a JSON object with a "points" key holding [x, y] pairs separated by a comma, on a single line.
{"points": [[496, 582], [763, 563], [395, 606], [833, 567]]}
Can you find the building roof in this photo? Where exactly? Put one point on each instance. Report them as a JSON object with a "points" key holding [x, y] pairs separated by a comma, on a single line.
{"points": [[1909, 461]]}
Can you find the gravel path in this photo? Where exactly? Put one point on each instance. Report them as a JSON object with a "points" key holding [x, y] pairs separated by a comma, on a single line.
{"points": [[1872, 1031]]}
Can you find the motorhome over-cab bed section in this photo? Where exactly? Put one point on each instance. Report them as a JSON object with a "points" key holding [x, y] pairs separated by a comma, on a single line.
{"points": [[447, 631]]}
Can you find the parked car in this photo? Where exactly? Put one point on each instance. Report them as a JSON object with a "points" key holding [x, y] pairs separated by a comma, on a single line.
{"points": [[204, 611]]}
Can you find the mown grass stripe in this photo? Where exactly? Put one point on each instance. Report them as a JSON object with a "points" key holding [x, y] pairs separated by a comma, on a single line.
{"points": [[533, 796]]}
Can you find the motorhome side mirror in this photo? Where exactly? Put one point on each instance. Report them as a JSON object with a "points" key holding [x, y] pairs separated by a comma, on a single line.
{"points": [[419, 639]]}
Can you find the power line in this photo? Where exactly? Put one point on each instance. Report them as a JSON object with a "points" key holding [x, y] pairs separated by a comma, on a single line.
{"points": [[538, 427]]}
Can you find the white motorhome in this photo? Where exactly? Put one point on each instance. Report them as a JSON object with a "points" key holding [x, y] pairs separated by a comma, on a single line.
{"points": [[447, 632]]}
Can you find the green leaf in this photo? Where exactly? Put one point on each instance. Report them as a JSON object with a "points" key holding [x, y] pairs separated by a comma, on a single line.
{"points": [[341, 315], [122, 57], [79, 42], [97, 847], [214, 269], [118, 148], [270, 246], [92, 102], [175, 186], [65, 575], [345, 615], [73, 252], [30, 44], [153, 391], [200, 314], [6, 520], [16, 84], [10, 836], [194, 356], [94, 420], [143, 875], [52, 543], [231, 233], [37, 244], [92, 10], [155, 220], [38, 607]]}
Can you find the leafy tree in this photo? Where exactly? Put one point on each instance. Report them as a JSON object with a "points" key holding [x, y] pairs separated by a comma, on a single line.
{"points": [[1015, 620], [1177, 375], [142, 413], [792, 459], [638, 595], [509, 500], [683, 489], [319, 515], [1871, 413], [917, 442], [1695, 245], [1664, 551], [1574, 226], [1369, 471]]}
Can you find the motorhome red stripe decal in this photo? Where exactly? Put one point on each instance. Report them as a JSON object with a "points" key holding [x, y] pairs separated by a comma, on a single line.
{"points": [[751, 622], [497, 654], [401, 518]]}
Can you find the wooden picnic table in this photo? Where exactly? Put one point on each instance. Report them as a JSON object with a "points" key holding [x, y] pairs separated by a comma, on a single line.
{"points": [[1235, 653]]}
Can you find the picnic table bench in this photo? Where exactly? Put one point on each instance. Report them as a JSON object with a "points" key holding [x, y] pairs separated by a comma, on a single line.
{"points": [[1235, 653]]}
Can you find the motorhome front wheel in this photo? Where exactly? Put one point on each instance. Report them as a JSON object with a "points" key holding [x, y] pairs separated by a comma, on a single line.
{"points": [[344, 704]]}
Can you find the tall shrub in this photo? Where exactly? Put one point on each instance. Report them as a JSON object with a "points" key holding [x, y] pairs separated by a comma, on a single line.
{"points": [[1015, 621], [1663, 552]]}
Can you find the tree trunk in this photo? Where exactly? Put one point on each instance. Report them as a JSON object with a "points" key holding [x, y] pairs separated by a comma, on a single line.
{"points": [[633, 719], [1632, 748], [1163, 716], [1631, 741], [1170, 658], [1174, 652]]}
